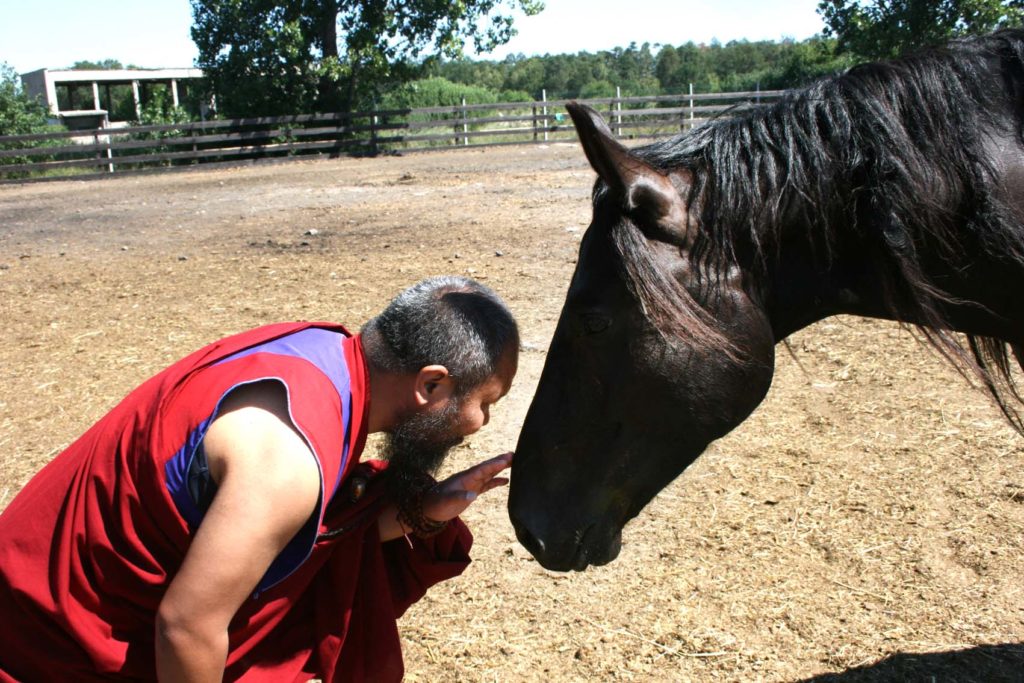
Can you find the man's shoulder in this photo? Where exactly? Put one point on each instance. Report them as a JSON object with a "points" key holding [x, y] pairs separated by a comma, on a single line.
{"points": [[272, 331], [255, 424]]}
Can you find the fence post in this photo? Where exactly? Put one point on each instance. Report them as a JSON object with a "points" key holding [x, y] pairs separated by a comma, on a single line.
{"points": [[691, 106], [544, 99], [99, 153], [373, 133], [533, 123], [465, 124], [618, 110], [137, 99]]}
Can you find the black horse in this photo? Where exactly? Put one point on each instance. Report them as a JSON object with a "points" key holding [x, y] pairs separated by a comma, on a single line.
{"points": [[895, 190]]}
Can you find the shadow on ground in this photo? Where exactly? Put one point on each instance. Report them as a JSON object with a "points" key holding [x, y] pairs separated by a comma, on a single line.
{"points": [[983, 664]]}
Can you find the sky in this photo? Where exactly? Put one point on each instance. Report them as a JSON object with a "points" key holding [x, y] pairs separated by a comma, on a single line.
{"points": [[155, 33]]}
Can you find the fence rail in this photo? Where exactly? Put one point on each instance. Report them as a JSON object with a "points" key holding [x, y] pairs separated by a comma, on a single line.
{"points": [[101, 152]]}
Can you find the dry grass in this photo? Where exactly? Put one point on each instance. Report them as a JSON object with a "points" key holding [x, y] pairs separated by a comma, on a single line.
{"points": [[866, 523]]}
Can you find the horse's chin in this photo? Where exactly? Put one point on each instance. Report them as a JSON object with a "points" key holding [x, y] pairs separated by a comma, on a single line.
{"points": [[598, 546]]}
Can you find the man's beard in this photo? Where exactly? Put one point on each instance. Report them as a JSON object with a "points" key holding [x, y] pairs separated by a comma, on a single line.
{"points": [[416, 448]]}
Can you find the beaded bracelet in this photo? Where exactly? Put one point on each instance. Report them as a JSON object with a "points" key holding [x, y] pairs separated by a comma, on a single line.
{"points": [[410, 515]]}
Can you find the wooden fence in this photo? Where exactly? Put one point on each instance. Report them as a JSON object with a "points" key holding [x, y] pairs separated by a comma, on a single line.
{"points": [[91, 153]]}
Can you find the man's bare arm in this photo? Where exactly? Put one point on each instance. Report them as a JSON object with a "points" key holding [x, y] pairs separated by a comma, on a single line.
{"points": [[268, 486]]}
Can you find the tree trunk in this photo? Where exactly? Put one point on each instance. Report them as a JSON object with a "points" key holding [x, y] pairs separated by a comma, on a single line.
{"points": [[330, 95]]}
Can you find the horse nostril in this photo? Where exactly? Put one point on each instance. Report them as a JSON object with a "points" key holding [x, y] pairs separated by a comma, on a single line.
{"points": [[529, 541]]}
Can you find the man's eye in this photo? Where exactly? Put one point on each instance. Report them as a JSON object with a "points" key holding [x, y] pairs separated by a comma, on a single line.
{"points": [[595, 323]]}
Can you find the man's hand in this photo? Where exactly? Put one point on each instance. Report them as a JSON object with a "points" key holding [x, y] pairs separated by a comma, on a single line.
{"points": [[457, 492], [451, 496]]}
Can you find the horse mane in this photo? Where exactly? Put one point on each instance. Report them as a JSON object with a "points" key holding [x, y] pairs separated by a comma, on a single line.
{"points": [[900, 142]]}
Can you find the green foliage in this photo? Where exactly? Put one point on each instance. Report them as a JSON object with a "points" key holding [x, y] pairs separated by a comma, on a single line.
{"points": [[120, 104], [158, 108], [597, 90], [436, 92], [279, 57], [878, 29], [515, 96], [640, 70], [273, 57], [19, 114], [102, 65], [668, 69], [807, 61], [160, 114], [633, 70], [529, 75]]}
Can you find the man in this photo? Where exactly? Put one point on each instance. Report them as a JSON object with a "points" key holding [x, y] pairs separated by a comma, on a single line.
{"points": [[217, 524]]}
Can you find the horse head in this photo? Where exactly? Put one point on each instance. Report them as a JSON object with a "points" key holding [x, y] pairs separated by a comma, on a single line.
{"points": [[654, 356]]}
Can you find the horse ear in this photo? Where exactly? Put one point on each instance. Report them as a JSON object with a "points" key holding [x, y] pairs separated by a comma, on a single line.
{"points": [[647, 194]]}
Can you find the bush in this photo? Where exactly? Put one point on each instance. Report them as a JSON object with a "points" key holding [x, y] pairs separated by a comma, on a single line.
{"points": [[436, 92], [19, 114], [597, 90], [159, 111], [515, 96]]}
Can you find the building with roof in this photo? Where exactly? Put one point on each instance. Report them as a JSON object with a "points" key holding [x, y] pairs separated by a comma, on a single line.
{"points": [[96, 98]]}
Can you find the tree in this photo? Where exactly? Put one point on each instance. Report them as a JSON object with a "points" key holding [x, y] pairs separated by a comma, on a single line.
{"points": [[804, 62], [19, 113], [102, 65], [879, 29], [633, 69], [483, 73], [597, 89], [266, 57], [527, 75], [667, 69], [582, 69], [695, 67]]}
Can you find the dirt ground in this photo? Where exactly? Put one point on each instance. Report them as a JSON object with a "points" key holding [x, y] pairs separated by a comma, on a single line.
{"points": [[866, 523]]}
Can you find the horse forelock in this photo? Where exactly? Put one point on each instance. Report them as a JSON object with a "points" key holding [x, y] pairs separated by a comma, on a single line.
{"points": [[669, 306], [663, 301]]}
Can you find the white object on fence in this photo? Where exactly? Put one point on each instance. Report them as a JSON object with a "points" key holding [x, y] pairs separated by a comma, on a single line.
{"points": [[544, 109], [691, 105], [618, 110]]}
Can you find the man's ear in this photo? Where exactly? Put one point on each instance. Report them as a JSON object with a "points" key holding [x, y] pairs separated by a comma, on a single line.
{"points": [[434, 385]]}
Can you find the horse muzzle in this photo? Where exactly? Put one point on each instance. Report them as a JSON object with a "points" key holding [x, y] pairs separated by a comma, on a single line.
{"points": [[570, 550]]}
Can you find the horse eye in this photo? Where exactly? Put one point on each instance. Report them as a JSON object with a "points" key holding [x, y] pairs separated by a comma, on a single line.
{"points": [[595, 323]]}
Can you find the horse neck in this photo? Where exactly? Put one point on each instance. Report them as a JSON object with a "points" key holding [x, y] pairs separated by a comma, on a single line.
{"points": [[806, 282], [819, 260], [818, 256], [798, 289], [776, 193]]}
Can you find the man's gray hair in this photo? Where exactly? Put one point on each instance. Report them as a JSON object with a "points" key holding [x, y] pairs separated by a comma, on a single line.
{"points": [[449, 320]]}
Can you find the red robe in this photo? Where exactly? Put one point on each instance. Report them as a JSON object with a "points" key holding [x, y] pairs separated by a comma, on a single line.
{"points": [[88, 547]]}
